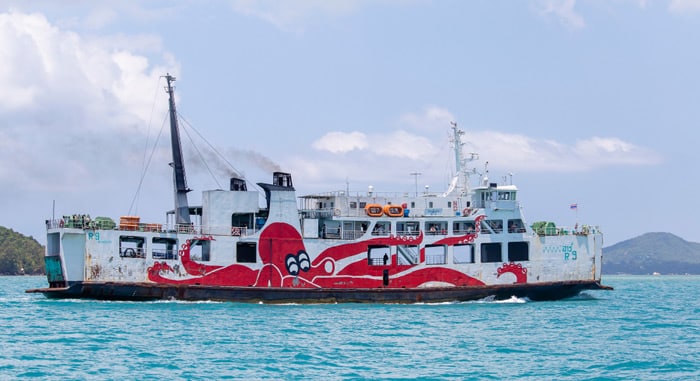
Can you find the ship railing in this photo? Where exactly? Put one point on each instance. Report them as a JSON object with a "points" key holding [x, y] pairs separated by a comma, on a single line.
{"points": [[567, 230], [132, 252], [164, 254], [435, 259], [352, 234], [407, 233]]}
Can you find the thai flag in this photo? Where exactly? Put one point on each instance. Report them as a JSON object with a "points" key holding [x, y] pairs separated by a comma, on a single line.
{"points": [[573, 206]]}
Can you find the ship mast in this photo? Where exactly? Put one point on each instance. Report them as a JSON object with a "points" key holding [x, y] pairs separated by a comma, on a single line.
{"points": [[460, 161], [182, 210]]}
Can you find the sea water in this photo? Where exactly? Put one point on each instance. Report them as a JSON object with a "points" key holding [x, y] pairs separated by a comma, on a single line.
{"points": [[648, 328]]}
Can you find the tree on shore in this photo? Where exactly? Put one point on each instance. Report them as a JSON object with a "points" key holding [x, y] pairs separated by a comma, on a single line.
{"points": [[20, 254]]}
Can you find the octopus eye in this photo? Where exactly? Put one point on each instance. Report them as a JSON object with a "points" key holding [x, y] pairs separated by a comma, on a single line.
{"points": [[292, 264], [304, 262]]}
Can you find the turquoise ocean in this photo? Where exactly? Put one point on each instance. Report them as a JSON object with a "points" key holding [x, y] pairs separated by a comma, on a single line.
{"points": [[648, 328]]}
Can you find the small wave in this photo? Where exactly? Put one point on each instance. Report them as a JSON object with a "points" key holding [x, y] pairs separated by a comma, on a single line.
{"points": [[492, 299], [583, 296]]}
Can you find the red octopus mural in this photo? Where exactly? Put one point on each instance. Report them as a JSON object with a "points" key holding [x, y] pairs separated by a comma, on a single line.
{"points": [[286, 263]]}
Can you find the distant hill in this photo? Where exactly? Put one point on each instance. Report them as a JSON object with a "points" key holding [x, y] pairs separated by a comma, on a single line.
{"points": [[20, 254], [664, 253]]}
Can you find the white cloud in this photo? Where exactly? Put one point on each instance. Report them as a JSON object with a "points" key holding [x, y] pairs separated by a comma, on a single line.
{"points": [[431, 119], [400, 144], [292, 15], [374, 158], [684, 6], [564, 11], [518, 152], [339, 142], [69, 104], [296, 15]]}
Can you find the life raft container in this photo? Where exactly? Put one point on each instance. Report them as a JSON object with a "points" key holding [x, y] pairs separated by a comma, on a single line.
{"points": [[393, 210], [374, 210]]}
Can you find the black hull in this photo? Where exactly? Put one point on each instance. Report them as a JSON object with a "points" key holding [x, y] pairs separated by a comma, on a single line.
{"points": [[149, 291]]}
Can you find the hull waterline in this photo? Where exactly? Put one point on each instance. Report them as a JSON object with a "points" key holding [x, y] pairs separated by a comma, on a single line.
{"points": [[147, 291]]}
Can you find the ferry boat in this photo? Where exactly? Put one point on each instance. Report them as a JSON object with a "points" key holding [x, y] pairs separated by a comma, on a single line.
{"points": [[467, 243]]}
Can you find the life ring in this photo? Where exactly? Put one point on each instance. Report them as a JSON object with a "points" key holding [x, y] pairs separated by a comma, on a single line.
{"points": [[336, 212], [466, 211], [235, 231]]}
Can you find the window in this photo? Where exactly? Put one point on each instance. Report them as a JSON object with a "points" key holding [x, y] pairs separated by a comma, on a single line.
{"points": [[379, 255], [407, 254], [518, 251], [200, 250], [436, 227], [132, 247], [53, 244], [463, 253], [246, 252], [516, 226], [491, 252], [353, 205], [491, 226], [408, 228], [435, 254], [362, 204], [354, 229], [382, 228], [164, 248], [463, 227], [504, 195]]}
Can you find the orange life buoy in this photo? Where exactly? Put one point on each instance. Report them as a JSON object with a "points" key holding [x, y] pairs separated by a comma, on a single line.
{"points": [[374, 210], [393, 210]]}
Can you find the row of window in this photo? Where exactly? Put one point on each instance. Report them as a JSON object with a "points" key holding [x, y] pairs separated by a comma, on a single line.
{"points": [[167, 248], [488, 252], [200, 250], [355, 229]]}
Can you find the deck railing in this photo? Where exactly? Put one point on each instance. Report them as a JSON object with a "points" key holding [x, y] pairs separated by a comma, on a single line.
{"points": [[158, 228]]}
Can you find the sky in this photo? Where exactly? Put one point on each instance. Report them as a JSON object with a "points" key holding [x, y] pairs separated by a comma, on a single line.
{"points": [[586, 102]]}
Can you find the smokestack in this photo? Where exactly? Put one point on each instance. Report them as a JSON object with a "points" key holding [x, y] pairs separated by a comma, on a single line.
{"points": [[238, 184]]}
